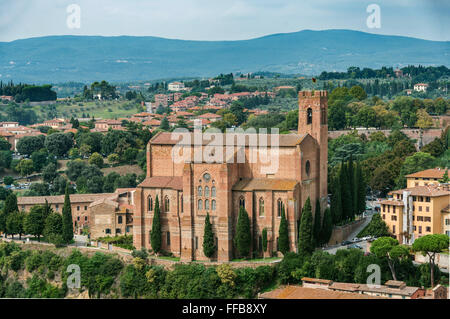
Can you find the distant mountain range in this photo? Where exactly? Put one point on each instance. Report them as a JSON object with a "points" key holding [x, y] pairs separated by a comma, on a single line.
{"points": [[56, 59]]}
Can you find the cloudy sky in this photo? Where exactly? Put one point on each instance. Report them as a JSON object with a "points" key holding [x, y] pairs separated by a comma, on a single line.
{"points": [[219, 19]]}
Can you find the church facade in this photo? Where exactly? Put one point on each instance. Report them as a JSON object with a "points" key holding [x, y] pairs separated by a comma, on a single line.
{"points": [[189, 188]]}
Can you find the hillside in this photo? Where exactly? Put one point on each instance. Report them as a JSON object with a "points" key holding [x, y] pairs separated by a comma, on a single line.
{"points": [[88, 58]]}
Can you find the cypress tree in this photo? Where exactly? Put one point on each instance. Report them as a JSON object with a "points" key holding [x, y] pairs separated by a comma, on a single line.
{"points": [[327, 227], [243, 236], [155, 236], [352, 187], [336, 201], [208, 239], [345, 193], [317, 225], [283, 235], [264, 239], [305, 246], [47, 210], [361, 191], [67, 232]]}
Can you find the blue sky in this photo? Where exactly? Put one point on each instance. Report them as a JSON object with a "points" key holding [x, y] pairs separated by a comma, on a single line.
{"points": [[221, 20]]}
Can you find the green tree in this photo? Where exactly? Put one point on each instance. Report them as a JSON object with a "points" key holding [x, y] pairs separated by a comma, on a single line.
{"points": [[14, 224], [27, 145], [243, 235], [155, 236], [67, 229], [208, 239], [424, 120], [96, 159], [25, 167], [347, 207], [415, 163], [283, 236], [431, 245], [317, 225], [8, 180], [10, 204], [358, 93], [49, 173], [360, 190], [327, 227], [264, 239], [35, 221], [444, 178], [58, 144], [336, 201], [388, 247], [53, 229], [164, 124], [305, 242]]}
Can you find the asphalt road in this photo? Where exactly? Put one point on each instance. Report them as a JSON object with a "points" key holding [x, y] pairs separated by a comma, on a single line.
{"points": [[363, 244]]}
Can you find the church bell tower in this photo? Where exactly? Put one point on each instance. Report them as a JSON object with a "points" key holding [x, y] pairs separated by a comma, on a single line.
{"points": [[312, 120]]}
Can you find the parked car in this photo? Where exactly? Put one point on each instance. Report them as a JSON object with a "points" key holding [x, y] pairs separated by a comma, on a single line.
{"points": [[346, 242], [355, 246]]}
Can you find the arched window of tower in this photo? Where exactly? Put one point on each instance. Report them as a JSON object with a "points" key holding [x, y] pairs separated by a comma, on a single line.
{"points": [[309, 116]]}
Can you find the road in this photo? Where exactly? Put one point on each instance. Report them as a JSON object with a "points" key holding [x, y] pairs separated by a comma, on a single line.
{"points": [[363, 244]]}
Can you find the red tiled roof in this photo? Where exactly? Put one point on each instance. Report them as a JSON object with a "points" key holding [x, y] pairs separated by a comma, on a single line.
{"points": [[247, 184], [285, 140], [173, 182], [429, 173], [298, 292], [429, 190]]}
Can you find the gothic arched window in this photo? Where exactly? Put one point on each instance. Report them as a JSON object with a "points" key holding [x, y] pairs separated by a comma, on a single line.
{"points": [[166, 204], [199, 191], [307, 168], [213, 205], [207, 204], [241, 202], [199, 204], [213, 191], [261, 207], [150, 204], [279, 207], [206, 191], [309, 116]]}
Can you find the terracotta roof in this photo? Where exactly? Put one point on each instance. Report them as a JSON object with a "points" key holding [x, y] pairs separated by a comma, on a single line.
{"points": [[345, 286], [265, 184], [125, 190], [108, 201], [285, 140], [209, 115], [405, 291], [392, 202], [429, 173], [74, 198], [395, 283], [173, 182], [297, 292], [320, 281], [429, 190]]}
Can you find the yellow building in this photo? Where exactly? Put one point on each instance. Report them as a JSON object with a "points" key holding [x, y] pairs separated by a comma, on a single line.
{"points": [[426, 177], [417, 211]]}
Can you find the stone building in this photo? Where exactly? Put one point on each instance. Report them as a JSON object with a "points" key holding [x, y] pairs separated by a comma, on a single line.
{"points": [[220, 181], [420, 209], [106, 214]]}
